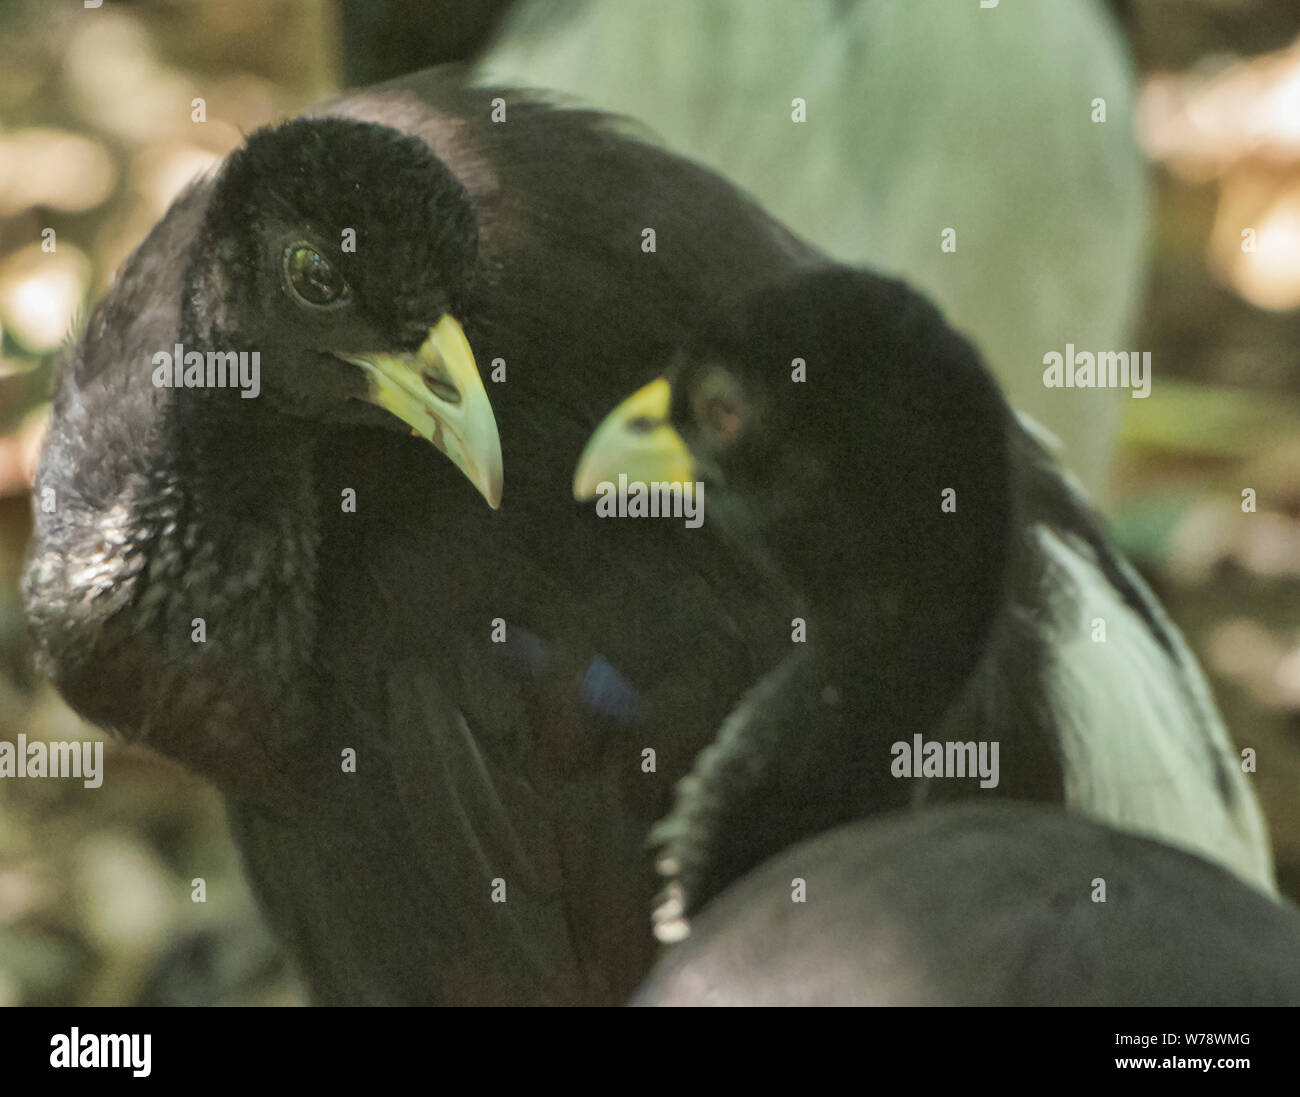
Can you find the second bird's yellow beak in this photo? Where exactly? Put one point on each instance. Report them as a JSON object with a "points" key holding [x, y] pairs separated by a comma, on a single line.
{"points": [[638, 440]]}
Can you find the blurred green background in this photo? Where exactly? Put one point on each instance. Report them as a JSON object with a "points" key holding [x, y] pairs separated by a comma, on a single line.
{"points": [[95, 903]]}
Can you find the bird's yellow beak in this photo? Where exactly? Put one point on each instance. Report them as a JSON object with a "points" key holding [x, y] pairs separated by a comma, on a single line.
{"points": [[437, 391], [636, 439]]}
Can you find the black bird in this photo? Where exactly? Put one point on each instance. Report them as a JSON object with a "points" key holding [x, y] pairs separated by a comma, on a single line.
{"points": [[857, 447], [983, 904], [350, 580], [351, 583]]}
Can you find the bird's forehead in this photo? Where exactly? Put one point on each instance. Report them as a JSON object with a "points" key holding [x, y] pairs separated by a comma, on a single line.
{"points": [[342, 173], [448, 136]]}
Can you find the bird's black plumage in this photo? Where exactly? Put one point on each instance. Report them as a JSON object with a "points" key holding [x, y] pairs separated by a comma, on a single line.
{"points": [[330, 630], [854, 445], [835, 476], [879, 482], [983, 904]]}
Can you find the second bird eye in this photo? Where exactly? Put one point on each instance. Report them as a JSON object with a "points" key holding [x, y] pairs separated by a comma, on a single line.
{"points": [[311, 277]]}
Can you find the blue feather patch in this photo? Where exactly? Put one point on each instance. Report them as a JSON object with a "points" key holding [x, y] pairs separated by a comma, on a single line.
{"points": [[607, 693]]}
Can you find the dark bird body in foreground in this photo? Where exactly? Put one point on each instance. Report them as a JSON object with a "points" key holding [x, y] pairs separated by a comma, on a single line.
{"points": [[984, 904], [328, 629]]}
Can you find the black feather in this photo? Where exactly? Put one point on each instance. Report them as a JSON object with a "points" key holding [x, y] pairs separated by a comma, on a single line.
{"points": [[986, 904]]}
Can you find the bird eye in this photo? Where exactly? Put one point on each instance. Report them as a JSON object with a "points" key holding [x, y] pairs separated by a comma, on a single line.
{"points": [[718, 405], [723, 417], [312, 277]]}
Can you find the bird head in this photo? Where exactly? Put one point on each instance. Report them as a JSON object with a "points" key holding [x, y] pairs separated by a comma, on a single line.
{"points": [[826, 415], [342, 252]]}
